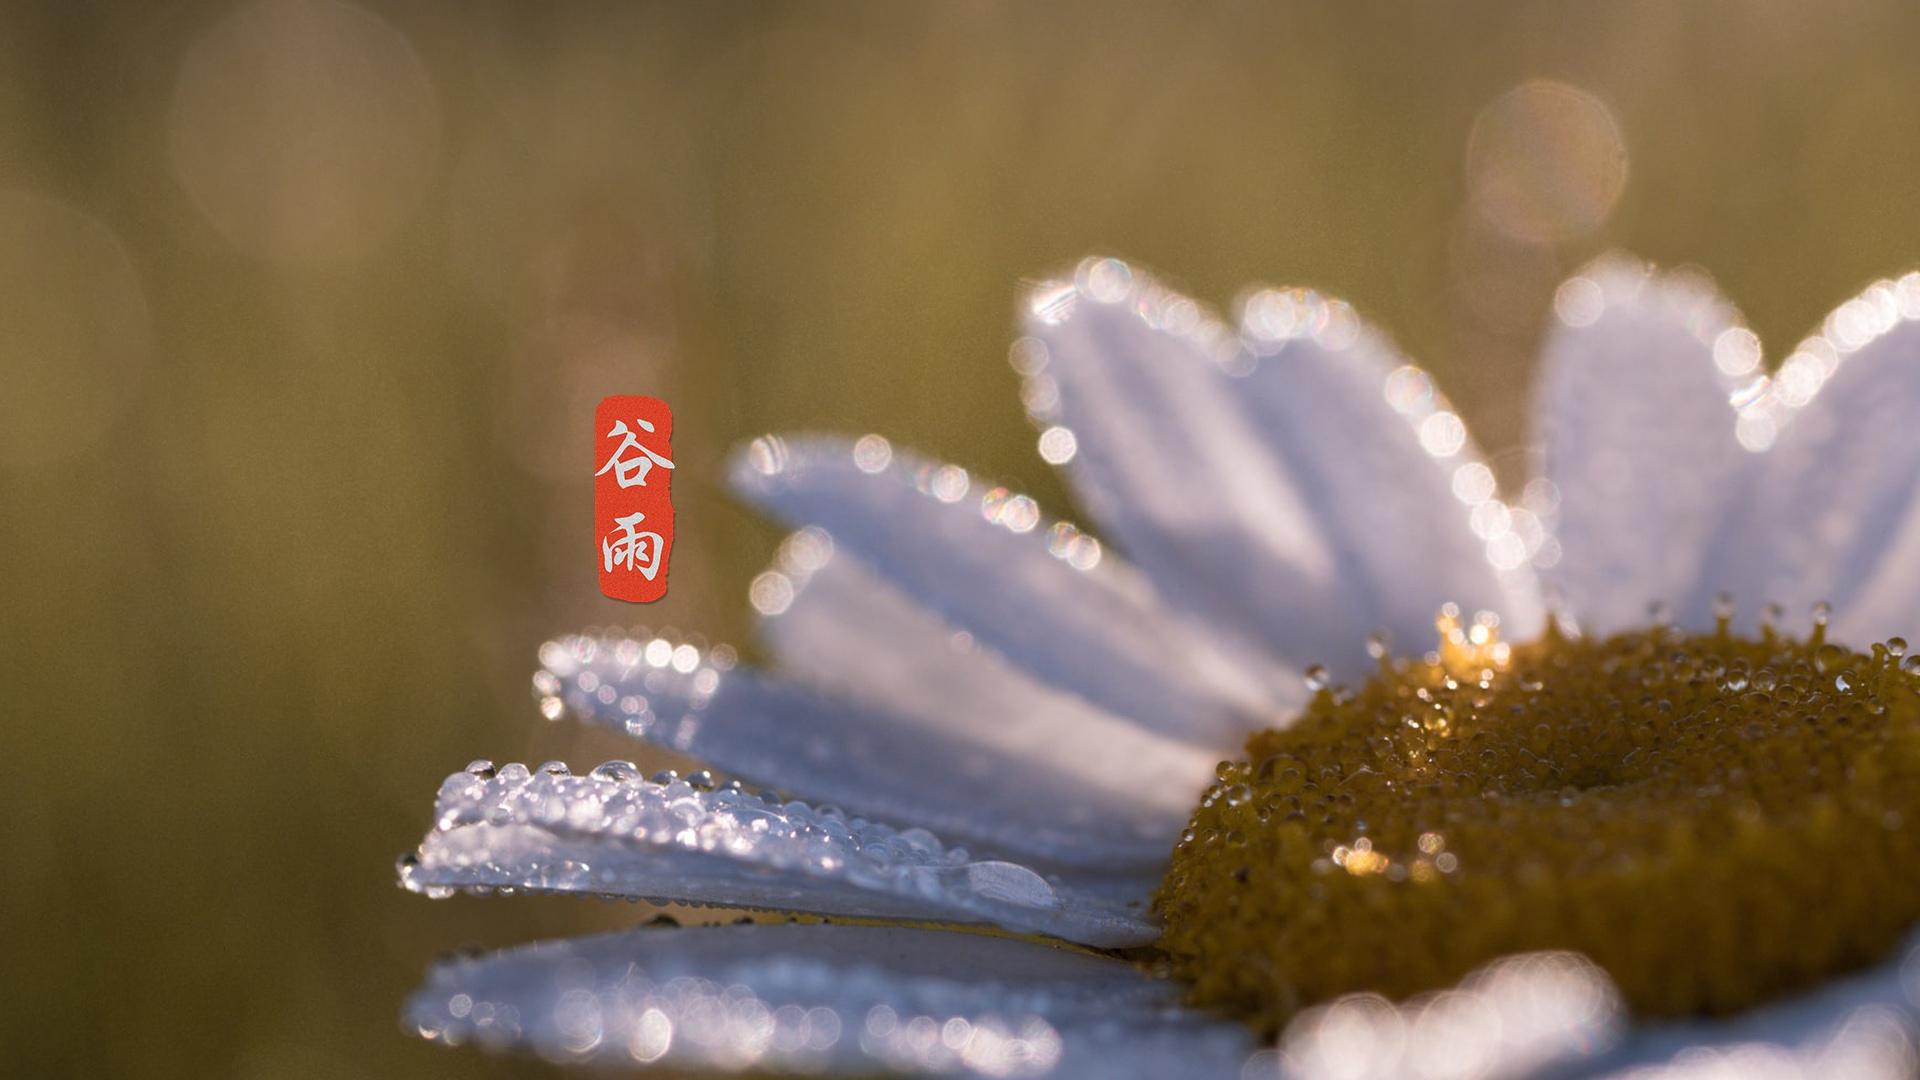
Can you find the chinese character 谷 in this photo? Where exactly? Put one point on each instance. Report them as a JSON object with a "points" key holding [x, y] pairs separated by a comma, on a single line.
{"points": [[632, 471], [630, 548]]}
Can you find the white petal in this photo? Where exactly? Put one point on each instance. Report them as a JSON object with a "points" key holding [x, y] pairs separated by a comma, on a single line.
{"points": [[1832, 513], [1045, 598], [614, 834], [1640, 443], [812, 999], [1522, 1016], [853, 636], [1035, 776], [1293, 478], [1858, 1028]]}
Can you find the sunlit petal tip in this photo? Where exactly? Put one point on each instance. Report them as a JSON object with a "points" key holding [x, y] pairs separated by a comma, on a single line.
{"points": [[1220, 454], [611, 833], [1095, 280], [1645, 409], [1828, 513], [842, 1000], [1617, 283]]}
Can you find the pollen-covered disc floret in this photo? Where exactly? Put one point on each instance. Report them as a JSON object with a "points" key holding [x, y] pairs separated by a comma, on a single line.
{"points": [[1713, 819]]}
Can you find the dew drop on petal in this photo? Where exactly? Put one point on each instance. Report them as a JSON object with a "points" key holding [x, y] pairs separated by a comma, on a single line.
{"points": [[771, 593], [1736, 351], [1442, 434], [872, 454], [1058, 445]]}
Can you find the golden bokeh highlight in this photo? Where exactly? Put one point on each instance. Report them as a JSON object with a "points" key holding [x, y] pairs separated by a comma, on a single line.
{"points": [[305, 130], [74, 330], [1546, 162]]}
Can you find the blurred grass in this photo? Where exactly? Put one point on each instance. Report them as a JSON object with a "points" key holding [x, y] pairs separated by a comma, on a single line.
{"points": [[340, 493]]}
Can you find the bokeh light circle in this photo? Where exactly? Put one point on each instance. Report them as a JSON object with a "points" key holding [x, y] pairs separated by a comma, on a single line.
{"points": [[1545, 162], [305, 130], [74, 330]]}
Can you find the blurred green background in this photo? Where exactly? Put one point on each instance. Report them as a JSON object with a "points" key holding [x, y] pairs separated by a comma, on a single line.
{"points": [[304, 308]]}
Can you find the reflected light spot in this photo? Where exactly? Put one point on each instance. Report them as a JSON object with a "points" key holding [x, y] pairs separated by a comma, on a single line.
{"points": [[652, 1037], [948, 483], [1028, 355], [1052, 302], [767, 455], [1442, 434], [1755, 432], [1579, 302], [872, 454], [1490, 519], [1041, 396], [685, 659], [805, 551], [1473, 483], [1067, 543], [1507, 551], [74, 330], [1736, 351], [1058, 445], [1107, 281], [771, 593], [1545, 162], [305, 130], [1017, 513], [1410, 391]]}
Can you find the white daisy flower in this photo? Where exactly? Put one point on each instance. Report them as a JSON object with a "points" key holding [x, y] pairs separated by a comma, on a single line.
{"points": [[980, 719]]}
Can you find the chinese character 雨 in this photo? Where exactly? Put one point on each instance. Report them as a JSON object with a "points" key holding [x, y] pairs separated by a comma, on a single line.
{"points": [[632, 471], [630, 548]]}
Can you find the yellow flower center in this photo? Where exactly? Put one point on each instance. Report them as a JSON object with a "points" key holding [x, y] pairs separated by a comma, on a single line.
{"points": [[1714, 820]]}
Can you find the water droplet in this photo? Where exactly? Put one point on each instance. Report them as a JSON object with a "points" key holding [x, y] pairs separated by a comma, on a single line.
{"points": [[1723, 605], [664, 776], [1822, 611], [1659, 613], [1377, 643], [620, 772], [481, 768], [1771, 614], [1316, 677], [702, 779], [555, 768], [1896, 647], [1842, 683]]}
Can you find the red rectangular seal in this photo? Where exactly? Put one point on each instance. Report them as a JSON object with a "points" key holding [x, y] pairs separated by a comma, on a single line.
{"points": [[633, 496]]}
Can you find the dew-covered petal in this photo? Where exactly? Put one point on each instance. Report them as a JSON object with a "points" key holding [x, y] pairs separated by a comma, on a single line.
{"points": [[1047, 598], [1059, 770], [1293, 478], [1637, 415], [984, 758], [613, 834], [1861, 1027], [844, 1000], [1832, 513]]}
